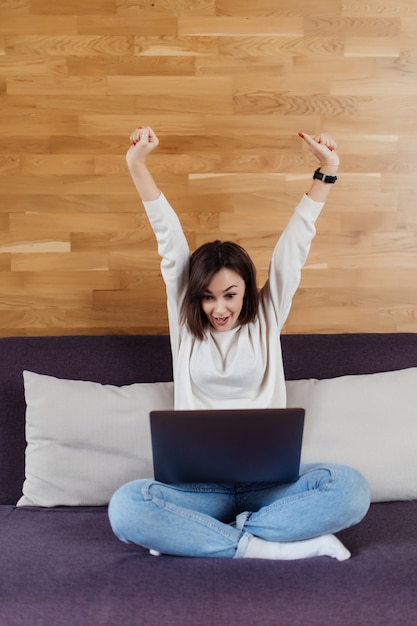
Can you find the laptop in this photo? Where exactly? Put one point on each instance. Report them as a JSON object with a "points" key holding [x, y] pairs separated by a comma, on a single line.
{"points": [[235, 445]]}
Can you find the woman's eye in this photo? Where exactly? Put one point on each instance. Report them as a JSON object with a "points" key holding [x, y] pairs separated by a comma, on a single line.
{"points": [[206, 297], [231, 295]]}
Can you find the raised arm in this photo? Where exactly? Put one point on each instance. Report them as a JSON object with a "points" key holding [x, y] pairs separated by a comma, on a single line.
{"points": [[293, 246], [172, 244]]}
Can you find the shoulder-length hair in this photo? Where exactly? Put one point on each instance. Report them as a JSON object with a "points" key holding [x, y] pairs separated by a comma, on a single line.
{"points": [[205, 262]]}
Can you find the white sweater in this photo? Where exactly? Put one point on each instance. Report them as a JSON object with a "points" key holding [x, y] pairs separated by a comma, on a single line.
{"points": [[241, 367]]}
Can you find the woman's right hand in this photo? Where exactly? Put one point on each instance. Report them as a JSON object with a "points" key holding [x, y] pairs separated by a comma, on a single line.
{"points": [[143, 140]]}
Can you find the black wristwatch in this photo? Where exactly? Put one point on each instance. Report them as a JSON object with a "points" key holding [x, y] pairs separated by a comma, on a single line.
{"points": [[325, 178]]}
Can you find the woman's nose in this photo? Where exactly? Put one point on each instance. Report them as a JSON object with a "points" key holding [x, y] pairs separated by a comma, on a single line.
{"points": [[219, 307]]}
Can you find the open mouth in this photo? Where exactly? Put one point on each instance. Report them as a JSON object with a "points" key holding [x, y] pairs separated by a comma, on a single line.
{"points": [[221, 321]]}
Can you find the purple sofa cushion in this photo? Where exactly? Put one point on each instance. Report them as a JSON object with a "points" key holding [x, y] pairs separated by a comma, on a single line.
{"points": [[64, 567]]}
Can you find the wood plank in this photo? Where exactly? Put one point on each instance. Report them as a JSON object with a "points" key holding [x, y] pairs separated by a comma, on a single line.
{"points": [[222, 26], [28, 24], [71, 7], [166, 7], [206, 94], [322, 46], [61, 262], [130, 25], [282, 8], [50, 44]]}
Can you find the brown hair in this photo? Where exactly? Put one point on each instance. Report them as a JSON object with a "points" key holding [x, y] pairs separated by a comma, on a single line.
{"points": [[205, 262]]}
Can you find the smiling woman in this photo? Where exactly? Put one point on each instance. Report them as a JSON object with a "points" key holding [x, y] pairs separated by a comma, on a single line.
{"points": [[225, 341]]}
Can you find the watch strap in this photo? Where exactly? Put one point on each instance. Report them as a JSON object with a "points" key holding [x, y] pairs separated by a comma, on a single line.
{"points": [[325, 178]]}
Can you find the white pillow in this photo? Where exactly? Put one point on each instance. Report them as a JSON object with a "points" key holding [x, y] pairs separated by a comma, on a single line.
{"points": [[366, 421], [84, 439]]}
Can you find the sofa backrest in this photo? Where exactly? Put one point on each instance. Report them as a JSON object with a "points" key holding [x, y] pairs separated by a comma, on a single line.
{"points": [[126, 359]]}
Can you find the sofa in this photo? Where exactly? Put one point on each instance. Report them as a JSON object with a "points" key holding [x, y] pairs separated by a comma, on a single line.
{"points": [[62, 565]]}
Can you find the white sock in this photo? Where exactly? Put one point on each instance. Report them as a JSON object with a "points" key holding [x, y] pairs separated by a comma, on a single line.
{"points": [[325, 545]]}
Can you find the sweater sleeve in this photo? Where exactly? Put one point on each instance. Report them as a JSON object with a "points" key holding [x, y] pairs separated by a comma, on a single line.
{"points": [[288, 258], [175, 254]]}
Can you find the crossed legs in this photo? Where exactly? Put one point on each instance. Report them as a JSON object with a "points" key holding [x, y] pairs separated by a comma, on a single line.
{"points": [[288, 521]]}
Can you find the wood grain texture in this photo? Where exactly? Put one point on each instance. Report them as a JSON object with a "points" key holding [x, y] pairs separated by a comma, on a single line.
{"points": [[227, 84]]}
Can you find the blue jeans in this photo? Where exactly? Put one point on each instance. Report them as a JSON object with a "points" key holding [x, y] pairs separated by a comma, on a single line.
{"points": [[218, 519]]}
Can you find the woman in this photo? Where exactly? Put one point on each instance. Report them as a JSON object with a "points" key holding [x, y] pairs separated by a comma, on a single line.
{"points": [[225, 340]]}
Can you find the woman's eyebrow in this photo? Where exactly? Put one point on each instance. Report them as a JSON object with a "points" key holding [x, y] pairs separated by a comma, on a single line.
{"points": [[224, 291]]}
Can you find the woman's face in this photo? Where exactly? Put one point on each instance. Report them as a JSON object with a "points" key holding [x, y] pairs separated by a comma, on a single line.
{"points": [[223, 300]]}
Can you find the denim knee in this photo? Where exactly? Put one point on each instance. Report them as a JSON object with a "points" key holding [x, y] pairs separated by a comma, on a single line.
{"points": [[364, 492], [357, 488], [120, 507]]}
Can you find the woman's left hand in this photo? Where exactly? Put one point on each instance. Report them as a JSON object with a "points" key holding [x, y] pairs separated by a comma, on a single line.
{"points": [[323, 147]]}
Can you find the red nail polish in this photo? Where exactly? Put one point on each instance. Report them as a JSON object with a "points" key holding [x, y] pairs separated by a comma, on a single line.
{"points": [[301, 135]]}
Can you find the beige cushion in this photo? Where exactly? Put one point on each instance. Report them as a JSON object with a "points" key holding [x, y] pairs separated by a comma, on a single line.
{"points": [[84, 439], [366, 421]]}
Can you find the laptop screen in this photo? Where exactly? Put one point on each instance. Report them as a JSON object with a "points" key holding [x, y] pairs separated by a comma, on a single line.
{"points": [[248, 445]]}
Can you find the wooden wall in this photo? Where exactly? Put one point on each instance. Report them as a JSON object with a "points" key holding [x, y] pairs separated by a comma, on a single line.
{"points": [[227, 84]]}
